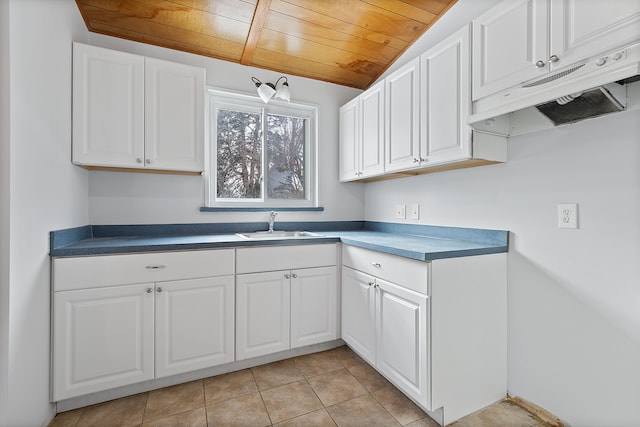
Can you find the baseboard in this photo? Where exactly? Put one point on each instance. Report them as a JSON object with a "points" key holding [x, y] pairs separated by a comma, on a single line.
{"points": [[116, 393]]}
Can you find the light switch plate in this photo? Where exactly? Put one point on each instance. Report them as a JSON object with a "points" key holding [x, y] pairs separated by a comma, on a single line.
{"points": [[568, 215], [415, 211], [401, 211]]}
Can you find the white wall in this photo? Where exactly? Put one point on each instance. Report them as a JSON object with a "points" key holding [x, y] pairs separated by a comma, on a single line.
{"points": [[45, 191], [4, 211], [574, 299], [130, 198]]}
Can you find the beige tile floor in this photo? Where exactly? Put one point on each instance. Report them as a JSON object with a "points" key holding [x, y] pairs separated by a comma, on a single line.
{"points": [[331, 388]]}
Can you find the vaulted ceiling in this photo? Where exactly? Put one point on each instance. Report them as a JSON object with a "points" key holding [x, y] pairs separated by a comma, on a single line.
{"points": [[348, 42]]}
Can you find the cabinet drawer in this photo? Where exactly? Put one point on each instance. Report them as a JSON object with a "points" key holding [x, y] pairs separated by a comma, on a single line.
{"points": [[252, 260], [406, 272], [113, 270]]}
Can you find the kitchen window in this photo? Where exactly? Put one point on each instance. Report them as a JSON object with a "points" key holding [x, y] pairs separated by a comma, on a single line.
{"points": [[262, 155]]}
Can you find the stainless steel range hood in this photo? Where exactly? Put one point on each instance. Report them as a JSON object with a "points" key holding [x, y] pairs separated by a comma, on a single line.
{"points": [[574, 93]]}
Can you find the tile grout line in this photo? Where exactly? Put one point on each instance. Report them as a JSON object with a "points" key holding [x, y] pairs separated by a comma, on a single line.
{"points": [[261, 398]]}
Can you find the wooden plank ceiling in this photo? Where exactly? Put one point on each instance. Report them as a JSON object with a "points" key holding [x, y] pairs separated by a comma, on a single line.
{"points": [[348, 42]]}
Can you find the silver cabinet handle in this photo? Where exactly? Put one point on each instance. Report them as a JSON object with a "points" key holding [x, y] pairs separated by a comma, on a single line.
{"points": [[370, 283], [376, 264], [148, 290], [147, 161], [295, 276], [138, 160], [553, 58], [540, 63], [416, 160], [159, 289], [155, 267], [287, 276]]}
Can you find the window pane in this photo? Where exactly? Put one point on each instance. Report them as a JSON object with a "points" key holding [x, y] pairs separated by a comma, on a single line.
{"points": [[285, 157], [239, 149]]}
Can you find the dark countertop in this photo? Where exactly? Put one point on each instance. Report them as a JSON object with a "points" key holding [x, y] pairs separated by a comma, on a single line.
{"points": [[420, 242]]}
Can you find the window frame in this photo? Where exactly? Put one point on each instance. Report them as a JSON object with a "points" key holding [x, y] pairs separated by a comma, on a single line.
{"points": [[219, 98]]}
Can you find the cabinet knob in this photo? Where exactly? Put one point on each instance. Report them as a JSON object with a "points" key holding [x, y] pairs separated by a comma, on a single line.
{"points": [[553, 58], [416, 160], [601, 61], [540, 64], [149, 290], [148, 161], [159, 289], [138, 160], [287, 276], [295, 276], [376, 264], [370, 283]]}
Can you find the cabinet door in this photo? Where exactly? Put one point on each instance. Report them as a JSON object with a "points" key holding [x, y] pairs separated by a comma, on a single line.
{"points": [[401, 338], [262, 313], [402, 150], [358, 313], [174, 116], [372, 131], [580, 30], [194, 324], [102, 338], [108, 107], [313, 306], [508, 40], [445, 100], [349, 140]]}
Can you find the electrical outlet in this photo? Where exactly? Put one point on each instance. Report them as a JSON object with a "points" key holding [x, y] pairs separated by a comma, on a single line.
{"points": [[415, 211], [401, 211], [568, 215]]}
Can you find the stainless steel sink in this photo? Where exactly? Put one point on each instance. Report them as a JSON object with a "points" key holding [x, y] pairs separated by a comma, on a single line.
{"points": [[265, 235]]}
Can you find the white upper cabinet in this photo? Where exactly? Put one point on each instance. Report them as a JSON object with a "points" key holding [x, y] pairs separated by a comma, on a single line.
{"points": [[174, 116], [135, 112], [519, 40], [508, 40], [350, 140], [108, 107], [362, 135], [372, 131], [445, 100], [582, 29], [402, 120]]}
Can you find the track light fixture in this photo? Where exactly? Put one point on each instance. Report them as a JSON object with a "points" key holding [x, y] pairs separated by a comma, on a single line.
{"points": [[266, 91]]}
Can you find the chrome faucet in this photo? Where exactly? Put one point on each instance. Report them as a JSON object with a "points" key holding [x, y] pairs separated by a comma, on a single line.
{"points": [[272, 220]]}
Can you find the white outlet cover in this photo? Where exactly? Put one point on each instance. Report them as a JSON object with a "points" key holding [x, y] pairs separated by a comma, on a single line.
{"points": [[401, 211], [568, 215]]}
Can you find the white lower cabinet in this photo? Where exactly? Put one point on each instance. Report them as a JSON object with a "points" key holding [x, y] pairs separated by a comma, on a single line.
{"points": [[103, 338], [358, 313], [262, 314], [436, 330], [108, 333], [314, 301], [285, 308], [387, 325], [194, 324], [401, 323]]}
